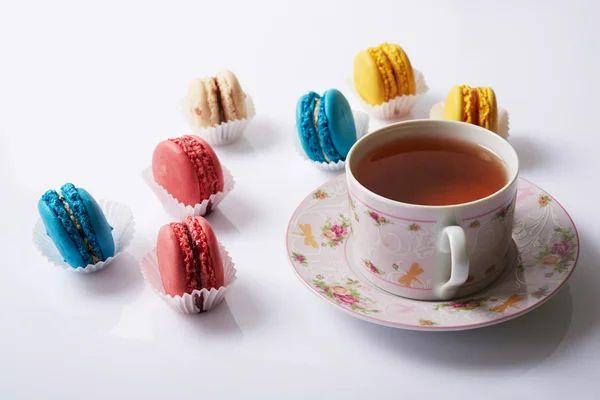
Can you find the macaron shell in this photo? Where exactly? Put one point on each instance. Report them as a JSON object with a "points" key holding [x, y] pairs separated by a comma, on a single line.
{"points": [[171, 262], [212, 157], [173, 170], [368, 81], [55, 230], [340, 121], [233, 100], [99, 223], [454, 107], [403, 71], [306, 127], [386, 71], [488, 109], [214, 250], [198, 104]]}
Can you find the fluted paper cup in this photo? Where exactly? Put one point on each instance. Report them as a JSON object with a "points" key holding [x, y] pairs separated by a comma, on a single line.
{"points": [[199, 300], [437, 112], [398, 106], [179, 210], [224, 133]]}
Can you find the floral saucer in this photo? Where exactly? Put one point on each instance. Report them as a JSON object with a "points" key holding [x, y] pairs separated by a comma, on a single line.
{"points": [[545, 252]]}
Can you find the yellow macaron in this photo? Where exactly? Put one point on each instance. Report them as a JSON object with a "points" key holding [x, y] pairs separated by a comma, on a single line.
{"points": [[382, 73], [472, 105]]}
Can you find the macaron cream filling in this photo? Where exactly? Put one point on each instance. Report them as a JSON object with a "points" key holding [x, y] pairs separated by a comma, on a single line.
{"points": [[55, 204], [207, 278], [470, 104], [316, 119], [199, 269], [213, 98], [484, 108], [72, 198], [385, 69], [186, 245], [69, 211], [227, 104]]}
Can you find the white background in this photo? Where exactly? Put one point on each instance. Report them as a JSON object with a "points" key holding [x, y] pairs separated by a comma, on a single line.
{"points": [[87, 91]]}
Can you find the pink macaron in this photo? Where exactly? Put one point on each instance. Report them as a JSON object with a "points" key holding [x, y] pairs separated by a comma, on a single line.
{"points": [[189, 257], [188, 168]]}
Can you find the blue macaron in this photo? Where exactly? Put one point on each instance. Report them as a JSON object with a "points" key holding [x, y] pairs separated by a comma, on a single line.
{"points": [[77, 226], [325, 125]]}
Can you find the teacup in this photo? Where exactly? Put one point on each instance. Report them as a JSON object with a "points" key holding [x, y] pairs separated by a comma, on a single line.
{"points": [[432, 252]]}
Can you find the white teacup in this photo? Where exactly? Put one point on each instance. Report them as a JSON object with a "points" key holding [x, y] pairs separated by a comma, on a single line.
{"points": [[432, 252]]}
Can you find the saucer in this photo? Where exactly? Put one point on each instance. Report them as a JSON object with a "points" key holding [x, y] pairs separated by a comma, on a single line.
{"points": [[544, 254]]}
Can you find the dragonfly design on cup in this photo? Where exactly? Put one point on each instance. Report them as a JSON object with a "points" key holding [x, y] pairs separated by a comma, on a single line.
{"points": [[412, 275]]}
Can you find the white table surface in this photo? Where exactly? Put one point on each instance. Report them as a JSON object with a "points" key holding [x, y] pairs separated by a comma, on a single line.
{"points": [[86, 92]]}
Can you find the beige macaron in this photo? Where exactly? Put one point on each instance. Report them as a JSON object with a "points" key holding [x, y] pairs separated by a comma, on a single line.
{"points": [[211, 101]]}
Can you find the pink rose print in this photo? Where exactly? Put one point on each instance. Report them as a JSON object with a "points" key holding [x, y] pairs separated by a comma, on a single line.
{"points": [[475, 224], [414, 228], [468, 305], [559, 254], [372, 267], [427, 322], [550, 260], [329, 234], [338, 230], [544, 200], [501, 213], [320, 195], [346, 295], [335, 232], [378, 219], [339, 289], [541, 292], [562, 248], [299, 258], [346, 298]]}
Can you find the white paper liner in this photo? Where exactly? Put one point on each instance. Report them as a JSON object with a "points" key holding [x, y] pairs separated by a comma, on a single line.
{"points": [[361, 120], [224, 133], [437, 112], [197, 302], [119, 216], [179, 210], [397, 107]]}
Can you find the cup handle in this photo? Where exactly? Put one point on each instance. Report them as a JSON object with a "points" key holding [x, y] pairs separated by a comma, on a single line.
{"points": [[454, 241]]}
